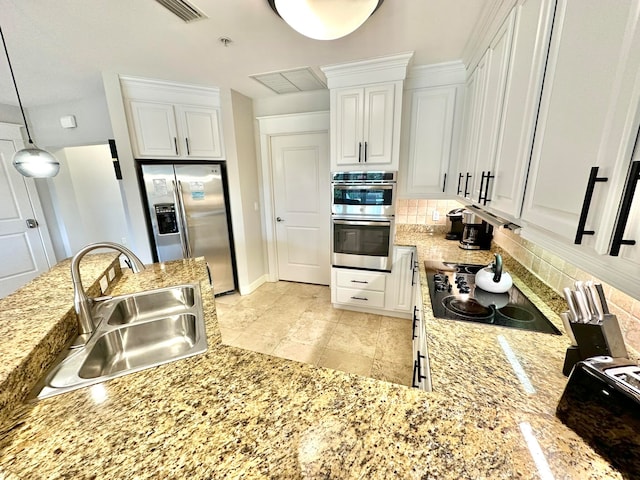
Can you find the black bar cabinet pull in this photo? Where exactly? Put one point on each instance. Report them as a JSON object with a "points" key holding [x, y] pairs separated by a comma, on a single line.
{"points": [[414, 384], [444, 183], [175, 144], [420, 376], [412, 270], [586, 204], [359, 152], [459, 180], [415, 322], [625, 209], [359, 281], [486, 188], [481, 186], [361, 298], [365, 152], [466, 184], [186, 140]]}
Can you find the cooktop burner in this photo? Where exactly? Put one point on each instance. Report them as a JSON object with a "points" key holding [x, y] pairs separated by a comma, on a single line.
{"points": [[454, 296]]}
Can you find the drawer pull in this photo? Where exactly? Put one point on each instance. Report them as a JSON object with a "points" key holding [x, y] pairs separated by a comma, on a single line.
{"points": [[359, 281], [361, 298]]}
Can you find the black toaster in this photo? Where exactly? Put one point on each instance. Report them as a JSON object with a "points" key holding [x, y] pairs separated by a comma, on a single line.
{"points": [[601, 403]]}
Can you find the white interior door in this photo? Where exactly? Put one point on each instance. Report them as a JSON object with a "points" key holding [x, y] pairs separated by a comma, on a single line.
{"points": [[302, 206], [22, 252]]}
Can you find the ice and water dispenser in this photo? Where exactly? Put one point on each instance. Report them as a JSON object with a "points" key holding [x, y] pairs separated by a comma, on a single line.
{"points": [[166, 217]]}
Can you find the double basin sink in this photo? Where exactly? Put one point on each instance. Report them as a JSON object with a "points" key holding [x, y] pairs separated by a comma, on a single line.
{"points": [[134, 332]]}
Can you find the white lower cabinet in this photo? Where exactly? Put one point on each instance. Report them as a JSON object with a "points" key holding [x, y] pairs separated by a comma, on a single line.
{"points": [[421, 367], [378, 292]]}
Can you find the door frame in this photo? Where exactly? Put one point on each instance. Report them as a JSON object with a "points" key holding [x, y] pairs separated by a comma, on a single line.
{"points": [[277, 125], [13, 133]]}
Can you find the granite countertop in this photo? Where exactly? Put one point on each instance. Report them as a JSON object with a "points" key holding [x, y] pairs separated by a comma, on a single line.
{"points": [[232, 413]]}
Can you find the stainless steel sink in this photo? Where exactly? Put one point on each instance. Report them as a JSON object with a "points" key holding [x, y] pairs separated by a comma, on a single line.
{"points": [[135, 332]]}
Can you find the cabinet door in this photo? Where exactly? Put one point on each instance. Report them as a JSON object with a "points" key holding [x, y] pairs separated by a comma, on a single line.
{"points": [[430, 137], [491, 116], [579, 88], [348, 115], [201, 132], [154, 129], [379, 101], [522, 95], [474, 105], [400, 293]]}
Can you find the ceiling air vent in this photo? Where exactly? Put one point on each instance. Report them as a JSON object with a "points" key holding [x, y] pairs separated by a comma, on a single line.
{"points": [[182, 9], [290, 81]]}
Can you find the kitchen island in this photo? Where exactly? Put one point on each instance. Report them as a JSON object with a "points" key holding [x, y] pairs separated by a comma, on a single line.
{"points": [[232, 413]]}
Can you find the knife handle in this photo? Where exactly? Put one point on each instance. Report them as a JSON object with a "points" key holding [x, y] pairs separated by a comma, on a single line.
{"points": [[581, 302], [567, 328], [594, 299], [573, 309], [603, 299]]}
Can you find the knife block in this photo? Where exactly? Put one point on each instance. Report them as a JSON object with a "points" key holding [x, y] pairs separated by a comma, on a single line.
{"points": [[594, 340]]}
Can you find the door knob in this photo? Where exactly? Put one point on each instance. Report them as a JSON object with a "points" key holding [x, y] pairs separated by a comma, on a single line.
{"points": [[279, 219], [32, 223]]}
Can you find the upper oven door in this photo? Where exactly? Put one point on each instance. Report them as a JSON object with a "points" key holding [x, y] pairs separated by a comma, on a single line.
{"points": [[363, 199]]}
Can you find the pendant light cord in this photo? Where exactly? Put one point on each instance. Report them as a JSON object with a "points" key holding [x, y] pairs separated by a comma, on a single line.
{"points": [[15, 86]]}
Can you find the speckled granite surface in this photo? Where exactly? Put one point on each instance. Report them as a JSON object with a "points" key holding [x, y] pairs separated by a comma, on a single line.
{"points": [[37, 321], [232, 413]]}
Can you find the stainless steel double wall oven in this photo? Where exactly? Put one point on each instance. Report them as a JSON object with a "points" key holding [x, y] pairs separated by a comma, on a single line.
{"points": [[363, 212]]}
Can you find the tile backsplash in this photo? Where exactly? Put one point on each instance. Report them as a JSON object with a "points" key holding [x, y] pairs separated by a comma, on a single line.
{"points": [[551, 269]]}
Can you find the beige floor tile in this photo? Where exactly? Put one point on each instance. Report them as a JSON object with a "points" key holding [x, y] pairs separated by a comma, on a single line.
{"points": [[256, 343], [306, 290], [366, 320], [297, 351], [395, 345], [395, 323], [354, 339], [259, 300], [274, 327], [392, 372], [229, 335], [311, 331], [323, 310], [237, 317], [346, 362], [230, 299]]}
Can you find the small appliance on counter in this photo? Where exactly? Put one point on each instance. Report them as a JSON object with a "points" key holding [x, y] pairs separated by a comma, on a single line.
{"points": [[601, 403], [454, 224], [476, 234]]}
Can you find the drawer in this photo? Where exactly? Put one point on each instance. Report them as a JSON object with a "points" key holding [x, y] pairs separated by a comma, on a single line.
{"points": [[354, 296], [361, 280]]}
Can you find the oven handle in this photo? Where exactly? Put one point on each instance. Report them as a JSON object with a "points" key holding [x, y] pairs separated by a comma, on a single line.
{"points": [[368, 186], [362, 223]]}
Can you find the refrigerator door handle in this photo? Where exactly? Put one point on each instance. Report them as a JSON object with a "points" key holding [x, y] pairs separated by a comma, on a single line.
{"points": [[184, 239]]}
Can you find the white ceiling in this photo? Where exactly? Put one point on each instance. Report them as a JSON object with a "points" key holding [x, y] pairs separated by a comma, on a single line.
{"points": [[58, 48]]}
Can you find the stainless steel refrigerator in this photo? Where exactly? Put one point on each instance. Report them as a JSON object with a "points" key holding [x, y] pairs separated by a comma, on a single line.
{"points": [[189, 217]]}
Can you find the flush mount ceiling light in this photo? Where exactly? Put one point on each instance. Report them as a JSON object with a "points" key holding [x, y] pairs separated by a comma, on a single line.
{"points": [[31, 161], [325, 19]]}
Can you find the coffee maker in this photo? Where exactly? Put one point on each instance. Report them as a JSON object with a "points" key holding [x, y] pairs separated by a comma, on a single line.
{"points": [[454, 222], [476, 234]]}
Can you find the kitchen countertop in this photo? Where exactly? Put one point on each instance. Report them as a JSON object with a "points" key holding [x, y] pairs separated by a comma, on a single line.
{"points": [[232, 413]]}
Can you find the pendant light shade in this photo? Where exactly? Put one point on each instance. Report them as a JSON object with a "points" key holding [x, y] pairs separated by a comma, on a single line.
{"points": [[325, 19], [37, 163], [31, 161]]}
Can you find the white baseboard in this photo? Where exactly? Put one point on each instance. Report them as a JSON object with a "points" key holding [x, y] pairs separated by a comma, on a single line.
{"points": [[247, 289]]}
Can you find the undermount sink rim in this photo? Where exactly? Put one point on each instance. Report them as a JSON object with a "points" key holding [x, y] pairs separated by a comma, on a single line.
{"points": [[64, 377]]}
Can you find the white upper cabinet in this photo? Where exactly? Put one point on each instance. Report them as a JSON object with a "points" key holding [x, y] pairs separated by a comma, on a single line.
{"points": [[173, 121], [588, 54], [532, 27], [364, 124], [431, 113], [366, 105]]}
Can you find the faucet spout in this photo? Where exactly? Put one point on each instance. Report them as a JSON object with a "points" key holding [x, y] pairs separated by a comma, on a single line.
{"points": [[80, 300]]}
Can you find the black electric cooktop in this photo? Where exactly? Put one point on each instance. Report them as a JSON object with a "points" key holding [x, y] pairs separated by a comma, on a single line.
{"points": [[455, 296]]}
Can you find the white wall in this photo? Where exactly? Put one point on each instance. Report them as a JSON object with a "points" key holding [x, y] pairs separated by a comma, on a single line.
{"points": [[86, 200], [10, 114], [301, 102], [92, 117], [244, 189]]}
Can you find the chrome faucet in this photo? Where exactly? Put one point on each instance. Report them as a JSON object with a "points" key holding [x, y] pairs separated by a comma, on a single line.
{"points": [[81, 302]]}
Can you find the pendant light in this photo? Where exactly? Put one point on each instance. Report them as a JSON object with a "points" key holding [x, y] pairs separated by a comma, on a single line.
{"points": [[325, 19], [31, 161]]}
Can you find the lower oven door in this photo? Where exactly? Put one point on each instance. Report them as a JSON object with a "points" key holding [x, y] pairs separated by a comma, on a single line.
{"points": [[363, 243]]}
